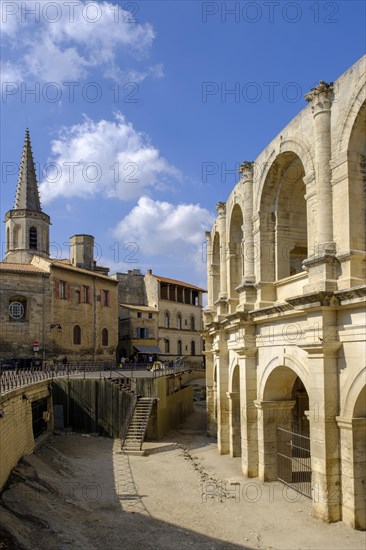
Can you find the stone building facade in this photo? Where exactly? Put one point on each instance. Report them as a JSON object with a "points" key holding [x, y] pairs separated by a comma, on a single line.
{"points": [[166, 317], [51, 308], [285, 321]]}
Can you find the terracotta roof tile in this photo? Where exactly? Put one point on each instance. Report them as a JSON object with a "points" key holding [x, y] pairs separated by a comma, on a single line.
{"points": [[20, 268], [176, 282]]}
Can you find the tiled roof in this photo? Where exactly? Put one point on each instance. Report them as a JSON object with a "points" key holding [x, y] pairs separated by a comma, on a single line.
{"points": [[176, 282], [20, 268], [139, 308], [66, 264]]}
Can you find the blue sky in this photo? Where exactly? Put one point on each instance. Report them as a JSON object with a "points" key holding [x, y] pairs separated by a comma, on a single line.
{"points": [[141, 112]]}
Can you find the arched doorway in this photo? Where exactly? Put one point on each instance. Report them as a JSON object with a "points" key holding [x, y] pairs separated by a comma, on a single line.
{"points": [[235, 253], [358, 483], [284, 432]]}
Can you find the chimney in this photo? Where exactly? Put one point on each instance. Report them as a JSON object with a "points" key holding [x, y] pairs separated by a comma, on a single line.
{"points": [[149, 271], [82, 251]]}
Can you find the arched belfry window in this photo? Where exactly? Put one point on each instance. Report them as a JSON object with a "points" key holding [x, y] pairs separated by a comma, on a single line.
{"points": [[33, 238]]}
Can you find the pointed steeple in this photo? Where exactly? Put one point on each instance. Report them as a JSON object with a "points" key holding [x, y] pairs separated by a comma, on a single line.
{"points": [[27, 196]]}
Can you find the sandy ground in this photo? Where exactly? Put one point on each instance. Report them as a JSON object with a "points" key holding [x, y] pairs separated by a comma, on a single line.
{"points": [[78, 492]]}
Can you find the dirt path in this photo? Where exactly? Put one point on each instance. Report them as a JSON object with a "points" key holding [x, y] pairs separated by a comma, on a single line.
{"points": [[82, 493]]}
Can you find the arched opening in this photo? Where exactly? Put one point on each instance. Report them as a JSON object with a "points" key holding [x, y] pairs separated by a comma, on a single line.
{"points": [[284, 434], [166, 320], [179, 321], [77, 335], [192, 323], [357, 182], [193, 348], [33, 238], [166, 346], [16, 236], [359, 461], [234, 411], [216, 268], [179, 347], [235, 251], [283, 238], [104, 337]]}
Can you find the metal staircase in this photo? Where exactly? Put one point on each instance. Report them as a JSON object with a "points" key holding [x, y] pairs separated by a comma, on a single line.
{"points": [[137, 429]]}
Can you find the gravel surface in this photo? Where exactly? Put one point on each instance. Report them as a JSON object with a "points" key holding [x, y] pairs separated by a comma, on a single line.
{"points": [[81, 492]]}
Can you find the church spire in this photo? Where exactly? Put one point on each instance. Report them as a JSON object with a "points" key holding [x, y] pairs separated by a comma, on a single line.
{"points": [[27, 196]]}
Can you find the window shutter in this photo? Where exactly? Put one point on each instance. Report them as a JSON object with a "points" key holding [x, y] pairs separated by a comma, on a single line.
{"points": [[102, 297], [91, 294], [68, 291], [57, 288], [146, 333]]}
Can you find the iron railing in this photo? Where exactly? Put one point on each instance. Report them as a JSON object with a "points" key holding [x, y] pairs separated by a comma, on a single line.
{"points": [[294, 461]]}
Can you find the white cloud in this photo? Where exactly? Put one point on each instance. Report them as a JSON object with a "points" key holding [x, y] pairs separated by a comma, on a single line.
{"points": [[108, 158], [164, 229], [10, 73], [62, 41]]}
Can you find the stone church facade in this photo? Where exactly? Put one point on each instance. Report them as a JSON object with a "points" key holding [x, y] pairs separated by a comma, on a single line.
{"points": [[285, 321], [50, 308]]}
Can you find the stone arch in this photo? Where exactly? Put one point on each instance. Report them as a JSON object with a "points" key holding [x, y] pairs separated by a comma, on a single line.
{"points": [[285, 361], [283, 219], [344, 135], [356, 157], [235, 250], [353, 393], [283, 425], [353, 438], [216, 266]]}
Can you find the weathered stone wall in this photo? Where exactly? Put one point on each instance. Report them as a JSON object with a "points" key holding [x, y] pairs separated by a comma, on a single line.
{"points": [[16, 432], [92, 405]]}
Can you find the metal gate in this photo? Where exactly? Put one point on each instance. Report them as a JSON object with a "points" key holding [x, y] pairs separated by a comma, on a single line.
{"points": [[293, 460]]}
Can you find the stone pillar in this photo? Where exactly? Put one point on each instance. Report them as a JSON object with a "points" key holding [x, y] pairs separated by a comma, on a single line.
{"points": [[321, 103], [234, 416], [353, 460], [246, 290], [324, 433], [271, 415], [221, 209], [248, 394], [222, 365], [322, 263], [209, 256], [210, 392]]}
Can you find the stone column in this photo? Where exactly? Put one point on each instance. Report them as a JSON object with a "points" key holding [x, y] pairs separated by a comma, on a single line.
{"points": [[234, 416], [322, 263], [221, 209], [210, 391], [271, 415], [353, 460], [209, 259], [248, 394], [321, 103], [246, 290], [324, 433], [221, 358]]}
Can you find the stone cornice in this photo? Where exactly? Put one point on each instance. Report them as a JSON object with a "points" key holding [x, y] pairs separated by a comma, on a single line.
{"points": [[313, 299], [354, 293], [23, 213]]}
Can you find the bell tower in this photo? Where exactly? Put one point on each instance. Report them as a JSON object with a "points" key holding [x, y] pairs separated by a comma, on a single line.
{"points": [[27, 227]]}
